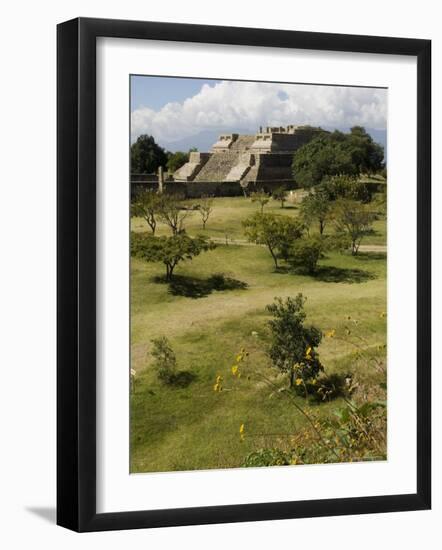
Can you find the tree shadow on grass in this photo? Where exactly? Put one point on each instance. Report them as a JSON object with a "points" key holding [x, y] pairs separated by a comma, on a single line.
{"points": [[182, 379], [367, 256], [332, 274], [194, 287]]}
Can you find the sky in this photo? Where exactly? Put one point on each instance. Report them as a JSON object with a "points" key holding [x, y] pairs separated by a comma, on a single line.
{"points": [[181, 109]]}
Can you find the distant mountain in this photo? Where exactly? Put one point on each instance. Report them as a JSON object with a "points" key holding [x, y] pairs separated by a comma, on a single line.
{"points": [[204, 140]]}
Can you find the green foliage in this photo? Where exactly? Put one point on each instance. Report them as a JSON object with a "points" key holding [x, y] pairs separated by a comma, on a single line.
{"points": [[354, 220], [176, 160], [305, 253], [346, 187], [146, 156], [275, 231], [315, 207], [280, 194], [261, 197], [164, 357], [147, 205], [292, 343], [168, 250], [267, 457], [336, 153]]}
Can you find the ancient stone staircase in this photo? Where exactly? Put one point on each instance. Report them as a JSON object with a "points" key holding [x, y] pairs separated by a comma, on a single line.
{"points": [[218, 167]]}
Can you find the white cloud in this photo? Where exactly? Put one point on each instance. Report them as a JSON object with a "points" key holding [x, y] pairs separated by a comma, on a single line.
{"points": [[245, 105]]}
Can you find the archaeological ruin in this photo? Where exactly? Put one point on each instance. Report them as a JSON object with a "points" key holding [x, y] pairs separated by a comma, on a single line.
{"points": [[238, 163]]}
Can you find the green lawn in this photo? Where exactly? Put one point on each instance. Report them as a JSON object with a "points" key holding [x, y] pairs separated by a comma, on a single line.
{"points": [[196, 428], [225, 220]]}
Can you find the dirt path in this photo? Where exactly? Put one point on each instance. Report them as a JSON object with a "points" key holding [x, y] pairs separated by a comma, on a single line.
{"points": [[242, 242]]}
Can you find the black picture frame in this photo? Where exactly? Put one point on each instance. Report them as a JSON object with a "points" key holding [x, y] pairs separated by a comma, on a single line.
{"points": [[77, 287]]}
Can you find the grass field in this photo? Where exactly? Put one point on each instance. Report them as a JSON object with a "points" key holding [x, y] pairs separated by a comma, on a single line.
{"points": [[193, 427]]}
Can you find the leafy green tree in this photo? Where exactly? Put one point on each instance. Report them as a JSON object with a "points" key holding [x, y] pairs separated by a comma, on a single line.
{"points": [[147, 205], [292, 346], [305, 253], [316, 207], [176, 160], [354, 220], [261, 198], [274, 231], [146, 156], [168, 250], [345, 187], [280, 194], [337, 153], [205, 208]]}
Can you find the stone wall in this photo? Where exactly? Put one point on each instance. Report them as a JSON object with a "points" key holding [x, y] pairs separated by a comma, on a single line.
{"points": [[197, 189]]}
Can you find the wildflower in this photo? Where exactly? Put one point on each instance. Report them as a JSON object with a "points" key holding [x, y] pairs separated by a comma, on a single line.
{"points": [[308, 353], [238, 358], [298, 381], [218, 384], [235, 370], [241, 432], [314, 382], [330, 333]]}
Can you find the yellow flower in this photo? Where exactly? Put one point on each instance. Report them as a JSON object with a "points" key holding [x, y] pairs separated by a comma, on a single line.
{"points": [[314, 382], [241, 432], [308, 353], [235, 370], [219, 379], [298, 381], [330, 333]]}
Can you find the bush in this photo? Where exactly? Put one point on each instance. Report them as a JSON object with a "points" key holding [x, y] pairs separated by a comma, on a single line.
{"points": [[267, 457], [305, 253], [292, 347], [164, 360]]}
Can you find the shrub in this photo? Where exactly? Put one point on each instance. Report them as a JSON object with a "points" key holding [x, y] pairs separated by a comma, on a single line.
{"points": [[267, 457], [165, 362], [292, 343], [305, 253]]}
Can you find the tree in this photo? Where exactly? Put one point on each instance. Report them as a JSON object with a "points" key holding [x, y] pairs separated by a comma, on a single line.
{"points": [[274, 231], [345, 187], [146, 156], [205, 209], [172, 212], [280, 194], [305, 253], [336, 153], [176, 160], [292, 347], [146, 205], [353, 219], [315, 207], [260, 197], [168, 250]]}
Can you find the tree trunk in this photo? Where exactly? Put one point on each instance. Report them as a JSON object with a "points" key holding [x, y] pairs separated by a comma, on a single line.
{"points": [[292, 378], [275, 259]]}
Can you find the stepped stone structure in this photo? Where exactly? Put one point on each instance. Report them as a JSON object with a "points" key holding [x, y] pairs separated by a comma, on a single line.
{"points": [[262, 159]]}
